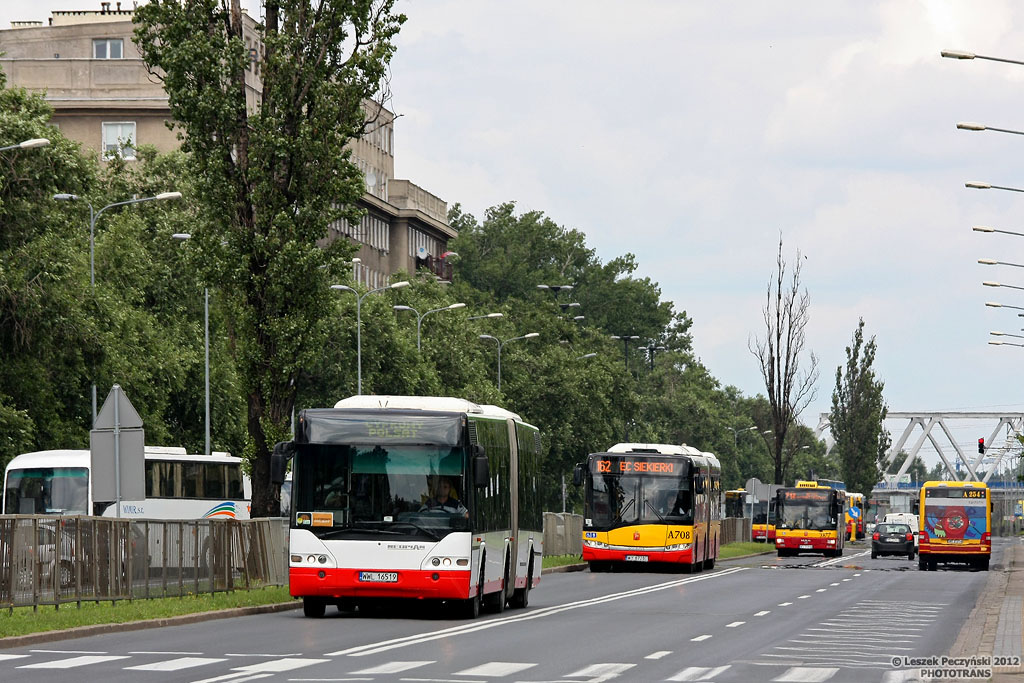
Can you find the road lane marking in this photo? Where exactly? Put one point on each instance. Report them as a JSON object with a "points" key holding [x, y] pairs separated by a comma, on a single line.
{"points": [[71, 652], [846, 579], [821, 590], [807, 674], [496, 669], [803, 597], [262, 654], [600, 672], [392, 667], [698, 673], [735, 624], [6, 657], [73, 662], [659, 654], [164, 652], [785, 604], [762, 613], [833, 584], [416, 639], [700, 638], [176, 664]]}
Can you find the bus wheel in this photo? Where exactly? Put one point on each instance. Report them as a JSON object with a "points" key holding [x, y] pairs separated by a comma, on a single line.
{"points": [[597, 566], [921, 564], [471, 607], [709, 563], [521, 596], [314, 607], [983, 564], [932, 564], [496, 601]]}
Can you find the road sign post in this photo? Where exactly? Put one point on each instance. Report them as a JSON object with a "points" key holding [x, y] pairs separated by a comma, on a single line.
{"points": [[117, 447]]}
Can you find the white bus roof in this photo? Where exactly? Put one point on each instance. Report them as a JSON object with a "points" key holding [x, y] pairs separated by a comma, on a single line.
{"points": [[662, 448], [444, 404], [69, 457]]}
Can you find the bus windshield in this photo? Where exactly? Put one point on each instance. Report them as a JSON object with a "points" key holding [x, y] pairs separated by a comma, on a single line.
{"points": [[804, 509], [47, 491], [630, 490], [347, 491]]}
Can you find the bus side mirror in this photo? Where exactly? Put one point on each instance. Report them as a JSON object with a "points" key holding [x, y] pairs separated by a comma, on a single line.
{"points": [[481, 468], [577, 475], [283, 452]]}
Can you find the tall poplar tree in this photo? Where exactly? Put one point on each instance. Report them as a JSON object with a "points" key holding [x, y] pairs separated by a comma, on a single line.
{"points": [[273, 176], [857, 416]]}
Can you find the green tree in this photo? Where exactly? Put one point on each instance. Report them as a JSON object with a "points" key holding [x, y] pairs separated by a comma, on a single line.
{"points": [[271, 179], [858, 415]]}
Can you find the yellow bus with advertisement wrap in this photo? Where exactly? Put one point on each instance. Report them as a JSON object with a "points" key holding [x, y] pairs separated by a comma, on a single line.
{"points": [[809, 518], [956, 523], [648, 503]]}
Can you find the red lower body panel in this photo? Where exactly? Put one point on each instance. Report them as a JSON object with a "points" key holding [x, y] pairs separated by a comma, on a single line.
{"points": [[608, 555], [345, 583]]}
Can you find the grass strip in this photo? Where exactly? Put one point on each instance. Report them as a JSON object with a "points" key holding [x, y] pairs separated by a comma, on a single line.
{"points": [[561, 560], [744, 548], [22, 620]]}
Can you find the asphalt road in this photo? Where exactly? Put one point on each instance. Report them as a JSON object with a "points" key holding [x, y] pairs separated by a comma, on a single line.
{"points": [[794, 620]]}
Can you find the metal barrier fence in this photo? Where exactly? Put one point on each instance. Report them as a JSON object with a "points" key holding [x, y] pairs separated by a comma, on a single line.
{"points": [[47, 560], [563, 533]]}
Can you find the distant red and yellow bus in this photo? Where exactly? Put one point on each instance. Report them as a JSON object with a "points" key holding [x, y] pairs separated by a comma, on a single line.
{"points": [[809, 518], [956, 523]]}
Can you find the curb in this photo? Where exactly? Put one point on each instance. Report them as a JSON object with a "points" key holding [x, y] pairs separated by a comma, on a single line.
{"points": [[99, 629]]}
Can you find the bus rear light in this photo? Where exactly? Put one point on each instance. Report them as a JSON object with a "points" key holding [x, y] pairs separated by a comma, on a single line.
{"points": [[986, 538]]}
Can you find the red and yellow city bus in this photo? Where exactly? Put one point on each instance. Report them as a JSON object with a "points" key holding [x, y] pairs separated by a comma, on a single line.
{"points": [[735, 499], [809, 519], [956, 523], [651, 503]]}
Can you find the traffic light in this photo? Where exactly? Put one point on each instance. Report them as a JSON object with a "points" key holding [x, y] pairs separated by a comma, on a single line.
{"points": [[981, 445]]}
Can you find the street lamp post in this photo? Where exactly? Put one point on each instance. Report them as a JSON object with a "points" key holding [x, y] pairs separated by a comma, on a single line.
{"points": [[27, 144], [359, 324], [975, 185], [489, 315], [990, 283], [961, 54], [419, 318], [736, 434], [993, 304], [985, 228], [993, 262], [93, 217], [206, 342], [651, 348], [625, 346], [501, 343], [971, 125]]}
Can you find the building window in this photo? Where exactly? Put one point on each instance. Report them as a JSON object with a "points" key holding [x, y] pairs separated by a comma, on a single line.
{"points": [[107, 48], [119, 139]]}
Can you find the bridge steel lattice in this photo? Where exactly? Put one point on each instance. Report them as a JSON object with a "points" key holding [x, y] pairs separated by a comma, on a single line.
{"points": [[1010, 447]]}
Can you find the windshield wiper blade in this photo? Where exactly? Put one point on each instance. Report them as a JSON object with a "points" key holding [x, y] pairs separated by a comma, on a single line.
{"points": [[647, 503], [414, 525], [358, 530], [625, 509]]}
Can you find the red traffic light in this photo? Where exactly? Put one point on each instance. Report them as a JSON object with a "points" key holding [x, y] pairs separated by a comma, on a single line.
{"points": [[981, 445]]}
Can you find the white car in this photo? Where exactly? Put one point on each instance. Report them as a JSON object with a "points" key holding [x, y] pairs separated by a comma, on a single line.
{"points": [[907, 518]]}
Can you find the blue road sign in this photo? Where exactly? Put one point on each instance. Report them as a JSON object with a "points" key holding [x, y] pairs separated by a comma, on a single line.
{"points": [[855, 512]]}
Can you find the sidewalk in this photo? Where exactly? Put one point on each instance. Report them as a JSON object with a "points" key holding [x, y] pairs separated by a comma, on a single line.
{"points": [[994, 625]]}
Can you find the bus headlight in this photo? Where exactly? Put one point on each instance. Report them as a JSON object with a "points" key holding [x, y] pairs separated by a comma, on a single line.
{"points": [[590, 543], [678, 546]]}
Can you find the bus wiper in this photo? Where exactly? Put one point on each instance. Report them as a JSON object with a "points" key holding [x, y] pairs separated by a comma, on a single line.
{"points": [[647, 503], [625, 509], [358, 530], [425, 531]]}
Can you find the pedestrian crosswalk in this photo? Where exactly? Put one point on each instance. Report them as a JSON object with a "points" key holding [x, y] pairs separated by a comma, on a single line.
{"points": [[199, 668]]}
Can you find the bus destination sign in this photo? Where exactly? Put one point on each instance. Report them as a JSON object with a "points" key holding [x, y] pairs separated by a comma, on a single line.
{"points": [[635, 466]]}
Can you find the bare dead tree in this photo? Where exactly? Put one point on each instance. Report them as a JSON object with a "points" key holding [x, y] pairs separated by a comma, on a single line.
{"points": [[786, 315]]}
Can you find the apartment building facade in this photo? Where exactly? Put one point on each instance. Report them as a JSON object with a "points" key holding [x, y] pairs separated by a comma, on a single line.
{"points": [[104, 97]]}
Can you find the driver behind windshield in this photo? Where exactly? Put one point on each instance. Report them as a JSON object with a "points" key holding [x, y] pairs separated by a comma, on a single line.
{"points": [[445, 499]]}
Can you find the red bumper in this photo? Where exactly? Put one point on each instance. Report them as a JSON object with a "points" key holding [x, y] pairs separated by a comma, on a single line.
{"points": [[345, 583], [609, 555], [927, 548], [790, 543]]}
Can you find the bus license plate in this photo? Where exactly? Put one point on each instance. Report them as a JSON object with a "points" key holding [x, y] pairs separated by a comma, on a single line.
{"points": [[636, 558], [954, 540], [806, 547], [379, 577]]}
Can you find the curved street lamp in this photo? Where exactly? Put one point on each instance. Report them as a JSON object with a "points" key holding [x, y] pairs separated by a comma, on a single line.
{"points": [[27, 144], [489, 315], [419, 318], [971, 125], [993, 262], [736, 433], [985, 228], [625, 345], [359, 324], [93, 217], [990, 283], [501, 343], [997, 342], [961, 54], [975, 185]]}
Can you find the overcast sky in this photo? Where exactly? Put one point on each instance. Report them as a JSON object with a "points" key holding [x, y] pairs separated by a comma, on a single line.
{"points": [[693, 134]]}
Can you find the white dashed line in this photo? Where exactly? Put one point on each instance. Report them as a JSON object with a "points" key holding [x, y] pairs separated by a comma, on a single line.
{"points": [[803, 597], [762, 613], [785, 604], [735, 624], [659, 654], [700, 638]]}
